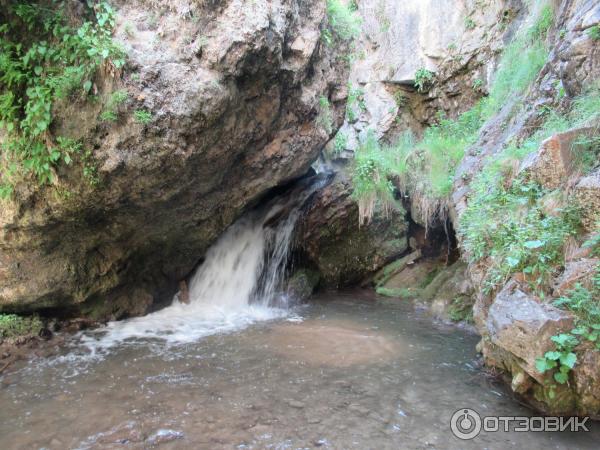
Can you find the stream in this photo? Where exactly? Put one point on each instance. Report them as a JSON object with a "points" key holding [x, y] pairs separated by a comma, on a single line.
{"points": [[238, 366], [349, 371]]}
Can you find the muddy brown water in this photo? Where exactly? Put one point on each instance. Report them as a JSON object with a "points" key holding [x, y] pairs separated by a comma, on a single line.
{"points": [[350, 371]]}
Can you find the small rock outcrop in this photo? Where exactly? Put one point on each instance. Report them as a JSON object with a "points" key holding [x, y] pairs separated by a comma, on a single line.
{"points": [[345, 252]]}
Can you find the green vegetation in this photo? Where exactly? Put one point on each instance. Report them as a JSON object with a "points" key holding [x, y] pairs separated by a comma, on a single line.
{"points": [[344, 22], [594, 32], [355, 99], [423, 78], [469, 23], [111, 110], [426, 168], [325, 117], [45, 60], [585, 304], [340, 143], [12, 326], [142, 116], [461, 309]]}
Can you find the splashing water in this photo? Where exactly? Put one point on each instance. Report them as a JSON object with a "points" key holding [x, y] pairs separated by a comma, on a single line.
{"points": [[239, 283]]}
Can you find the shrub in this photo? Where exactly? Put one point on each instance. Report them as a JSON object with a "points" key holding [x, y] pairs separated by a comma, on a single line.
{"points": [[12, 326], [423, 78], [594, 32], [142, 116], [344, 22], [48, 62]]}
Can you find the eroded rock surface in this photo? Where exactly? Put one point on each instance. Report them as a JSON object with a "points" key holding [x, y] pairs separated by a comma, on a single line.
{"points": [[233, 90]]}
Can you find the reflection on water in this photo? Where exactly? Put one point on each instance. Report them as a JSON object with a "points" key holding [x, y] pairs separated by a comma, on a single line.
{"points": [[355, 373]]}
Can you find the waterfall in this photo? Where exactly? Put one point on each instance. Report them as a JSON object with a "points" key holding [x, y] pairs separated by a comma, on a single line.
{"points": [[240, 282]]}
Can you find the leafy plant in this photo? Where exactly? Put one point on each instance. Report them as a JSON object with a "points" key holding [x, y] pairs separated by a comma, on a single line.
{"points": [[340, 143], [344, 22], [355, 99], [12, 326], [469, 23], [423, 78], [594, 32], [142, 116], [52, 61], [562, 358], [111, 110]]}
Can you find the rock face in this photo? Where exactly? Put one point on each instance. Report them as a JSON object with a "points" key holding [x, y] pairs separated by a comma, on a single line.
{"points": [[344, 252], [233, 89], [455, 40], [517, 326]]}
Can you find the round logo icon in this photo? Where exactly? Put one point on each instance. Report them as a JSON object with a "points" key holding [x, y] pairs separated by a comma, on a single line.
{"points": [[465, 424]]}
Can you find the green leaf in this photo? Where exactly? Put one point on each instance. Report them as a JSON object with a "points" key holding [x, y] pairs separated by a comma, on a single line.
{"points": [[553, 356], [38, 70], [568, 359], [533, 244], [512, 262], [87, 86], [561, 377]]}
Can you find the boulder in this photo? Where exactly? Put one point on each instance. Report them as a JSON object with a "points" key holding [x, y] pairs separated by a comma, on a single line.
{"points": [[302, 284], [554, 163], [522, 325], [344, 252]]}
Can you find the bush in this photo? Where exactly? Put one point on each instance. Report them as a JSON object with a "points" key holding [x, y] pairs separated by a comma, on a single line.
{"points": [[43, 59], [12, 326], [344, 22], [142, 116], [423, 78]]}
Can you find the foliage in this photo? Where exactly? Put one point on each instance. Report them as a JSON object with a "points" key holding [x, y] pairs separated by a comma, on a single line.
{"points": [[426, 168], [461, 309], [325, 117], [111, 109], [594, 32], [423, 78], [469, 23], [142, 116], [340, 142], [12, 326], [344, 22], [355, 98], [562, 357], [370, 178], [585, 304], [43, 60]]}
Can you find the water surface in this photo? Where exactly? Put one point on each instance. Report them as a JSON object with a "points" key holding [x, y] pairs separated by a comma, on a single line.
{"points": [[355, 372]]}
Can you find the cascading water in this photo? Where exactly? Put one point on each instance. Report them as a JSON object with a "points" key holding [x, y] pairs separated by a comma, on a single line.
{"points": [[240, 281]]}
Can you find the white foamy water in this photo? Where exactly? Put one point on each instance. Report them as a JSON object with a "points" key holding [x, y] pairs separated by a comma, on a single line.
{"points": [[239, 283]]}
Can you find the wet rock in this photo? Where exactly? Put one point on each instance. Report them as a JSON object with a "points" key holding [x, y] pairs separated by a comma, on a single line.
{"points": [[164, 435], [344, 252], [302, 284], [296, 404], [587, 193], [522, 325]]}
